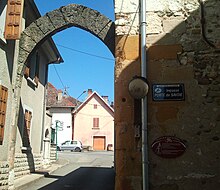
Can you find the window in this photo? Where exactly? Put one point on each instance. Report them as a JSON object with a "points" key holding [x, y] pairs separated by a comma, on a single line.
{"points": [[66, 143], [95, 106], [27, 128], [73, 142], [32, 70], [3, 105], [95, 122], [53, 134]]}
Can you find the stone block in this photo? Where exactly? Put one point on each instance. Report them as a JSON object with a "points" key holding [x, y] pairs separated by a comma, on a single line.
{"points": [[161, 39], [130, 162], [156, 52], [94, 21], [177, 74], [34, 32], [105, 29], [27, 43], [166, 112], [45, 24], [57, 19], [126, 6], [23, 55], [175, 25], [155, 71], [129, 45], [154, 24], [73, 14]]}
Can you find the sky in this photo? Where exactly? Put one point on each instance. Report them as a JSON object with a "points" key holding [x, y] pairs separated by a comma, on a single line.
{"points": [[88, 63]]}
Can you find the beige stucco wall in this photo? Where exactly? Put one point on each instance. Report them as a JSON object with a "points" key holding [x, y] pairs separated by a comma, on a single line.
{"points": [[8, 55], [32, 99], [83, 123]]}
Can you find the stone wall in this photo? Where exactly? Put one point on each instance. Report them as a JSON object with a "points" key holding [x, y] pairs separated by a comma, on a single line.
{"points": [[4, 168], [182, 47], [53, 153], [27, 163]]}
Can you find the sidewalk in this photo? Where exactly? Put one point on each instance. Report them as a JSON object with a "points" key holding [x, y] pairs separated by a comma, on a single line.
{"points": [[26, 180]]}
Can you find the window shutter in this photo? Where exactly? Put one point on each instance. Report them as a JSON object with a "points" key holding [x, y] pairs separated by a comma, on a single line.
{"points": [[28, 116], [27, 72], [95, 122], [3, 105], [27, 128], [13, 19]]}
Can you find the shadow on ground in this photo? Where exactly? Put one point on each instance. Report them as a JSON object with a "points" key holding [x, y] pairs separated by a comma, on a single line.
{"points": [[84, 178]]}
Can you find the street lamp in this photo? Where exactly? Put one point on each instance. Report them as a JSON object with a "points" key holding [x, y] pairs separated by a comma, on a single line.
{"points": [[77, 99], [58, 127], [81, 94], [138, 87]]}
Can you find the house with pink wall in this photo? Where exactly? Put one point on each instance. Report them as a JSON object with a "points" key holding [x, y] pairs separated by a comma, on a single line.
{"points": [[93, 122]]}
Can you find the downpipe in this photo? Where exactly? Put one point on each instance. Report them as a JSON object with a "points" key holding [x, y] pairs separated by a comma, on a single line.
{"points": [[144, 100]]}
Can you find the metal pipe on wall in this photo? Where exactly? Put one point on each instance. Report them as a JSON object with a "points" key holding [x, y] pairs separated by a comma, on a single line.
{"points": [[144, 100]]}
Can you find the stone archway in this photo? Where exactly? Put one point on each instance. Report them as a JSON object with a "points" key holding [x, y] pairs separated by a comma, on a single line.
{"points": [[60, 19], [39, 31]]}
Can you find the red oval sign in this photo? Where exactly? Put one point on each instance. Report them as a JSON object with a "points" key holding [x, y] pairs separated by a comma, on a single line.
{"points": [[168, 147]]}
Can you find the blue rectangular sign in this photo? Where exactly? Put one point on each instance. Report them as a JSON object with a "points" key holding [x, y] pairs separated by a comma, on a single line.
{"points": [[163, 92]]}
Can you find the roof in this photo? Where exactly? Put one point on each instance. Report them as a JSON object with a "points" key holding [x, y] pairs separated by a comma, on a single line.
{"points": [[52, 101], [89, 98]]}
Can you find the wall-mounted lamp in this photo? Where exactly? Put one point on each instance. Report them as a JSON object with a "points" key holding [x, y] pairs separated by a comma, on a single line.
{"points": [[138, 87]]}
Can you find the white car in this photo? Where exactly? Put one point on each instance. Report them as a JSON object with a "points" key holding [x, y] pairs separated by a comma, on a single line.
{"points": [[72, 145]]}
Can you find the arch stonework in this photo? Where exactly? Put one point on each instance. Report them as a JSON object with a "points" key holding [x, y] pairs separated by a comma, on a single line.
{"points": [[60, 19], [39, 31]]}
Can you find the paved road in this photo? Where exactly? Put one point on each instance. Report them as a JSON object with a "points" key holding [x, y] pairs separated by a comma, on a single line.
{"points": [[85, 171]]}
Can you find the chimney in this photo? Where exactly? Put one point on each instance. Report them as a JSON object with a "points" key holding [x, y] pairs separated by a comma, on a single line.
{"points": [[105, 98], [60, 95], [89, 92]]}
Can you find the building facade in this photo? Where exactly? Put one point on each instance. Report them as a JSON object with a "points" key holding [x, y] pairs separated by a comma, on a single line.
{"points": [[60, 106], [93, 122], [22, 140], [183, 100], [183, 53]]}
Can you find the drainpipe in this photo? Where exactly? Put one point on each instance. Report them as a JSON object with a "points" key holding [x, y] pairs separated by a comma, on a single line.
{"points": [[144, 100]]}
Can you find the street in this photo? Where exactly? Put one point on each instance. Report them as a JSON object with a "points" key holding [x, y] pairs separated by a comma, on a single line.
{"points": [[85, 171]]}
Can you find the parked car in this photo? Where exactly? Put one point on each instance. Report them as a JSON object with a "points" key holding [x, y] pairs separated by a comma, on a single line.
{"points": [[72, 145]]}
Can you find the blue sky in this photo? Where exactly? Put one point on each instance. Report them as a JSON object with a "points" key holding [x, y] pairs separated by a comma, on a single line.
{"points": [[80, 71]]}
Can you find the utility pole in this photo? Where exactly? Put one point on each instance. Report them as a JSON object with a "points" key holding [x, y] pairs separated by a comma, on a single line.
{"points": [[56, 138], [56, 133]]}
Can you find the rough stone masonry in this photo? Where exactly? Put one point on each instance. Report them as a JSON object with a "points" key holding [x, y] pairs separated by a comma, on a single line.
{"points": [[183, 47]]}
